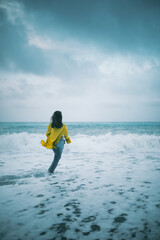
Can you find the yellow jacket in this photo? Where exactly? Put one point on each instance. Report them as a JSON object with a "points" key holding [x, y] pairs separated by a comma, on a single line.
{"points": [[54, 135]]}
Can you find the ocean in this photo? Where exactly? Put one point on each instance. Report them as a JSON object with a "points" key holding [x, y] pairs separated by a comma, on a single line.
{"points": [[106, 186]]}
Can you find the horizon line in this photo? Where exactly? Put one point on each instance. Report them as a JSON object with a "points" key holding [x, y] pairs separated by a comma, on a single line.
{"points": [[158, 121]]}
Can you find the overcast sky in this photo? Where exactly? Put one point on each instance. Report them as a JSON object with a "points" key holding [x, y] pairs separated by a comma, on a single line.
{"points": [[95, 60]]}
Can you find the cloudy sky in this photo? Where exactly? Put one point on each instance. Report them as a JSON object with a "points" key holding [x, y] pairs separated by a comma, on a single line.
{"points": [[95, 60]]}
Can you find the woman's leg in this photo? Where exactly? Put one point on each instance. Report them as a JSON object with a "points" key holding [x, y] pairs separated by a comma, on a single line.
{"points": [[57, 155]]}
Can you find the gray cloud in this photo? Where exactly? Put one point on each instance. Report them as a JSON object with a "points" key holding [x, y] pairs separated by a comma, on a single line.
{"points": [[117, 25], [94, 60], [15, 52]]}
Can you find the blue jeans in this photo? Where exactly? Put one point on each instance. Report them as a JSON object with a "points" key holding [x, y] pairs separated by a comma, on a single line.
{"points": [[57, 155]]}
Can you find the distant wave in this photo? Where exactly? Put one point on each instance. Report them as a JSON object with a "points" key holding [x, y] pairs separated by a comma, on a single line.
{"points": [[25, 142]]}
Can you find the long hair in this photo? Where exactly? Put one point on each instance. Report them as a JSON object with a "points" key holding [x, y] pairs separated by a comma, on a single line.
{"points": [[56, 120]]}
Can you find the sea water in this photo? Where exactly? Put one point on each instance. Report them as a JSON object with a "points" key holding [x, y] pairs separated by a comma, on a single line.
{"points": [[106, 186]]}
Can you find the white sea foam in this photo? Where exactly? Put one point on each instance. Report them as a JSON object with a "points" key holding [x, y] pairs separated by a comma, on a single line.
{"points": [[25, 142], [20, 142], [114, 143], [101, 182]]}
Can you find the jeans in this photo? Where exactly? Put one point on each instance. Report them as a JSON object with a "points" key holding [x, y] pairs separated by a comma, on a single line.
{"points": [[57, 155]]}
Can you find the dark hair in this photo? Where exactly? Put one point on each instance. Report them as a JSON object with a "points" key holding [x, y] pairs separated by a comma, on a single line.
{"points": [[56, 120]]}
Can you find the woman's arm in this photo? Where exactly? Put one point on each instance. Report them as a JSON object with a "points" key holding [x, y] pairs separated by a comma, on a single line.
{"points": [[48, 130]]}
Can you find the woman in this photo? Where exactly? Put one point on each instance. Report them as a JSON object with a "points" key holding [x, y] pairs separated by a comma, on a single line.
{"points": [[56, 134]]}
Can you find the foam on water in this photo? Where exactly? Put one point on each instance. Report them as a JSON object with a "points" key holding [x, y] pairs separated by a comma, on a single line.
{"points": [[106, 185], [20, 142], [81, 143], [115, 143]]}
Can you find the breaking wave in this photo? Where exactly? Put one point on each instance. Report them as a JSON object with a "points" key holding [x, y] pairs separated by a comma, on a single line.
{"points": [[81, 143]]}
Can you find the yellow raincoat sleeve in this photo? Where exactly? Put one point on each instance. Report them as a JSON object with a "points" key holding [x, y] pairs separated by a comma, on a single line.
{"points": [[48, 144], [48, 130]]}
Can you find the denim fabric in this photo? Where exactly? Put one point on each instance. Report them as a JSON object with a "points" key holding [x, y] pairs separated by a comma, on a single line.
{"points": [[57, 155]]}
